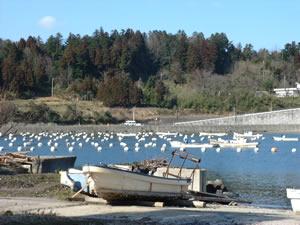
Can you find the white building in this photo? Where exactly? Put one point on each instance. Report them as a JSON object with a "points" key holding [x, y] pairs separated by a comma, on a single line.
{"points": [[284, 92]]}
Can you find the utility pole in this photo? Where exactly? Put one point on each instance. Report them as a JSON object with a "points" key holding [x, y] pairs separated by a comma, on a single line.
{"points": [[52, 88], [133, 113]]}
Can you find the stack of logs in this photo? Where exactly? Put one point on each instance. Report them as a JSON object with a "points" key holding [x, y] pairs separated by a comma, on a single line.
{"points": [[16, 162]]}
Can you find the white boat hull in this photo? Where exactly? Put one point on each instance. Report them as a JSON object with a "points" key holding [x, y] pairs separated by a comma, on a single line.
{"points": [[285, 139], [294, 196], [233, 143], [178, 144], [212, 134], [113, 184]]}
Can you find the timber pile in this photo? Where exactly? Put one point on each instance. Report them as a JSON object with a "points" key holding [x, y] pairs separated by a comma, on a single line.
{"points": [[16, 162]]}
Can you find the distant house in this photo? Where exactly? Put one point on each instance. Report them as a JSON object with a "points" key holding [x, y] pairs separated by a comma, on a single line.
{"points": [[285, 92]]}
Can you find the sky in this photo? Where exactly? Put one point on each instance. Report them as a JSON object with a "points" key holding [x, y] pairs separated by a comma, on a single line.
{"points": [[263, 23]]}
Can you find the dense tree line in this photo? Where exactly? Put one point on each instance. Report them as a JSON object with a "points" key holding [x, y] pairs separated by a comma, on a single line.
{"points": [[126, 68]]}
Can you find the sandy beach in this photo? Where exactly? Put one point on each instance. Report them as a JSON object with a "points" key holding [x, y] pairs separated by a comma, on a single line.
{"points": [[20, 210]]}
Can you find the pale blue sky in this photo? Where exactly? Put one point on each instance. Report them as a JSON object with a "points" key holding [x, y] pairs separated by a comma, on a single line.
{"points": [[264, 23]]}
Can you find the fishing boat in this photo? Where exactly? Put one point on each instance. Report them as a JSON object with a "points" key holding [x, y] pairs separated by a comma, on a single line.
{"points": [[284, 138], [112, 183], [126, 134], [212, 134], [181, 145], [294, 195], [239, 143], [248, 135], [166, 134]]}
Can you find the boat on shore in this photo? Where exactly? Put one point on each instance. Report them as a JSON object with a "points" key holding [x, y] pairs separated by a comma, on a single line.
{"points": [[294, 196], [284, 138], [112, 183], [239, 143], [181, 145]]}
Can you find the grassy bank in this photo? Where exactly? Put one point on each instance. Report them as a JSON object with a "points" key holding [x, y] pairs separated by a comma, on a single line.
{"points": [[63, 111], [33, 185]]}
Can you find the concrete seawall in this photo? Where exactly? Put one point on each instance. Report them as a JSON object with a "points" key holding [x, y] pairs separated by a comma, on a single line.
{"points": [[275, 121]]}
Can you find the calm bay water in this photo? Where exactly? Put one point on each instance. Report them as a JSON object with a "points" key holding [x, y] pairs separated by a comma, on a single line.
{"points": [[261, 177]]}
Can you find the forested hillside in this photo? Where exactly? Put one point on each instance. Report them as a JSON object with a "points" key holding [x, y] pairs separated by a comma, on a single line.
{"points": [[130, 68]]}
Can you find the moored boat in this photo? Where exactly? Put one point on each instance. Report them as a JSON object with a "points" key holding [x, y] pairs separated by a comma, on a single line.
{"points": [[166, 134], [239, 143], [212, 134], [248, 135], [284, 138], [126, 134], [181, 145]]}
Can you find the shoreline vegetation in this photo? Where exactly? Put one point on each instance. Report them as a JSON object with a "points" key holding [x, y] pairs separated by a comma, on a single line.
{"points": [[64, 112], [208, 75]]}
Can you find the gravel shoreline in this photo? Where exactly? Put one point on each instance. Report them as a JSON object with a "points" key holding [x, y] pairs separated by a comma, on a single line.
{"points": [[188, 129]]}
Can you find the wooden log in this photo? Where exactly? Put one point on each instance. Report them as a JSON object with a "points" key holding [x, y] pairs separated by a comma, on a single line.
{"points": [[95, 200]]}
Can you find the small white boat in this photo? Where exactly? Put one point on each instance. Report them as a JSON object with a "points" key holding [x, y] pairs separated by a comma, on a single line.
{"points": [[239, 143], [294, 195], [166, 134], [248, 135], [126, 134], [284, 138], [212, 134], [181, 145], [112, 183]]}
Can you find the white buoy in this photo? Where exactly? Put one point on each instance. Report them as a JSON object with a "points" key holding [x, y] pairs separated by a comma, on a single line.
{"points": [[80, 144], [99, 149], [256, 149], [40, 144], [136, 149], [10, 144], [110, 145], [203, 149], [71, 148], [96, 145], [274, 149], [294, 150], [19, 148], [238, 149], [52, 149], [218, 149], [126, 149], [123, 144]]}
